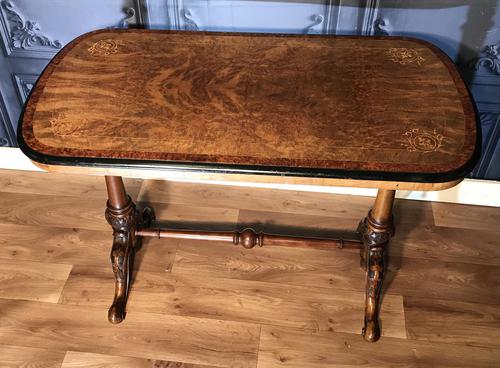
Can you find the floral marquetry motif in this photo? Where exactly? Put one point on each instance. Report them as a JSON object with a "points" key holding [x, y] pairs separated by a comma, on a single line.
{"points": [[62, 126], [104, 47], [405, 56], [422, 141]]}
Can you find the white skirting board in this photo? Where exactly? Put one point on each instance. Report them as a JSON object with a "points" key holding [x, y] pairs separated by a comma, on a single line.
{"points": [[470, 191]]}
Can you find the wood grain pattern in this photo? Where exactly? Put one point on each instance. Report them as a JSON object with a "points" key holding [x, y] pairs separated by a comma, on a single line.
{"points": [[286, 347], [316, 103], [283, 203], [26, 209], [475, 283], [32, 280], [21, 356], [76, 246], [14, 181], [453, 322], [75, 359], [312, 309], [335, 270], [449, 244], [46, 210], [191, 340], [306, 301], [291, 266], [475, 218]]}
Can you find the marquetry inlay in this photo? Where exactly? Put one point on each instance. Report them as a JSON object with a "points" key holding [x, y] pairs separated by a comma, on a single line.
{"points": [[405, 56], [104, 47], [422, 141], [62, 126]]}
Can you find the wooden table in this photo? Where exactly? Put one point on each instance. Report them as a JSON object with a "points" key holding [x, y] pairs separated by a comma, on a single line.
{"points": [[386, 113]]}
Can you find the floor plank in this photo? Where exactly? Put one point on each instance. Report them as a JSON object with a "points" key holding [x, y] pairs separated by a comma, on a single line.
{"points": [[339, 269], [78, 247], [20, 356], [236, 300], [56, 184], [453, 322], [74, 359], [347, 208], [262, 199], [285, 347], [55, 211], [88, 213], [443, 280], [447, 244], [198, 304], [32, 280], [466, 217], [144, 335], [298, 225], [195, 217]]}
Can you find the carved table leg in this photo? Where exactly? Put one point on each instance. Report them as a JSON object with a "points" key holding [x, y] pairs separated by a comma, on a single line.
{"points": [[375, 230], [124, 218]]}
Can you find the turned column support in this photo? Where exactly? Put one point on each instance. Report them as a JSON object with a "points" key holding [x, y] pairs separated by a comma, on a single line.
{"points": [[375, 231]]}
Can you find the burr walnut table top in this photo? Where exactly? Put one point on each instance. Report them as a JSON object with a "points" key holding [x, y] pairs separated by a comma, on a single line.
{"points": [[362, 108]]}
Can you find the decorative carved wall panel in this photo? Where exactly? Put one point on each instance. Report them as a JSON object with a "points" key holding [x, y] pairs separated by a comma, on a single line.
{"points": [[490, 59], [23, 37]]}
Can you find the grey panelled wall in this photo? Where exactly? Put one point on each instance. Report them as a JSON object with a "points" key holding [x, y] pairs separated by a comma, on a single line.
{"points": [[32, 31]]}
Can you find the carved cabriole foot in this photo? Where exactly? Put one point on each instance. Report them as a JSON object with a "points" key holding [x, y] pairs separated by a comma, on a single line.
{"points": [[375, 230], [124, 218]]}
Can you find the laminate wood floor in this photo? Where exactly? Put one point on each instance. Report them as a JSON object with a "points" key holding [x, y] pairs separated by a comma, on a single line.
{"points": [[198, 304]]}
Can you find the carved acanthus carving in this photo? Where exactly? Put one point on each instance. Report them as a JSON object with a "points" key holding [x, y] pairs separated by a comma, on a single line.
{"points": [[491, 60], [25, 33], [373, 234], [122, 220]]}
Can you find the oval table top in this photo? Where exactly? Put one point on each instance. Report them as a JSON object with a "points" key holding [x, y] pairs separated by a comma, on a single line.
{"points": [[386, 109]]}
